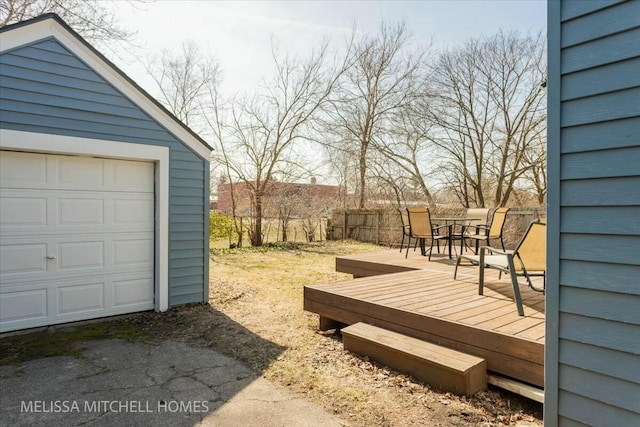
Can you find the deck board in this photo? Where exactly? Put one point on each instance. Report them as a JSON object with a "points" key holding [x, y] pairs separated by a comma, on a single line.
{"points": [[421, 299]]}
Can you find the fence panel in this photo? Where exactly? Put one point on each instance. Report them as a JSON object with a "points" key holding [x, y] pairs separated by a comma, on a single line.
{"points": [[384, 226]]}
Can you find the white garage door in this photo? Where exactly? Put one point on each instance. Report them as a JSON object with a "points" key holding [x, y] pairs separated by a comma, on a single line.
{"points": [[76, 238]]}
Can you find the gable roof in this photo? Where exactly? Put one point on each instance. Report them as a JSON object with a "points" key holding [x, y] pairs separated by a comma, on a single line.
{"points": [[51, 25]]}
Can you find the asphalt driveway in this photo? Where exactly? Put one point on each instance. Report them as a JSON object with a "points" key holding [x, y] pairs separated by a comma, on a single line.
{"points": [[118, 383]]}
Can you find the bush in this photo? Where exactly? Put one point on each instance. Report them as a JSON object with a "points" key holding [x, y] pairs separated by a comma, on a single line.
{"points": [[220, 226]]}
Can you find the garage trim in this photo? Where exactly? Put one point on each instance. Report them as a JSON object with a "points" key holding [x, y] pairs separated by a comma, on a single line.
{"points": [[60, 144]]}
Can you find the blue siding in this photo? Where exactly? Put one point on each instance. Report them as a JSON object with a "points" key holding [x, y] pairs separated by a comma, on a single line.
{"points": [[621, 162], [616, 191], [579, 410], [612, 391], [598, 136], [592, 26], [609, 335], [571, 9], [606, 107], [597, 359], [46, 89], [596, 220], [617, 47], [608, 305], [593, 348], [596, 80], [598, 275], [614, 249]]}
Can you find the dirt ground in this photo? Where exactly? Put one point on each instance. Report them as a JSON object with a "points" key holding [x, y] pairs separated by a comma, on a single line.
{"points": [[255, 314]]}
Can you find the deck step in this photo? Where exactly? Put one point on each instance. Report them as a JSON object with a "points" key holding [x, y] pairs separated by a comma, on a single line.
{"points": [[440, 367]]}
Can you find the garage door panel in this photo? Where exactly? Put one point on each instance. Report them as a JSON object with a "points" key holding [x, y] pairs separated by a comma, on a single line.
{"points": [[43, 171], [80, 255], [23, 170], [132, 252], [80, 211], [20, 211], [21, 306], [81, 298], [32, 304], [77, 238], [63, 211], [133, 292], [132, 212], [133, 176], [23, 258], [80, 172]]}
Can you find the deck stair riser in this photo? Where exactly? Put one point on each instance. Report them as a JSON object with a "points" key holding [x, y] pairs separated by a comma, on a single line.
{"points": [[442, 368]]}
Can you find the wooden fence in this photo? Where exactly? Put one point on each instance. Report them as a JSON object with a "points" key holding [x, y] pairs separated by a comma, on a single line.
{"points": [[384, 227]]}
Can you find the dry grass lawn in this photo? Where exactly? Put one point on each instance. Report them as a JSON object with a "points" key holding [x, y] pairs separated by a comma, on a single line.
{"points": [[257, 317]]}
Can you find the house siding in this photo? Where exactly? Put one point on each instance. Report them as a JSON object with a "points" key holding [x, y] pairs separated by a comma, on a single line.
{"points": [[46, 89], [593, 317]]}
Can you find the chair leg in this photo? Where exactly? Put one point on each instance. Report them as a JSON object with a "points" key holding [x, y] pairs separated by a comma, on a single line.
{"points": [[481, 274], [437, 244], [502, 243], [408, 247], [514, 283], [402, 243], [408, 241], [455, 272]]}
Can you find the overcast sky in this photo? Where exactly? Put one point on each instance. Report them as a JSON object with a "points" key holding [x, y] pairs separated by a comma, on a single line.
{"points": [[239, 34]]}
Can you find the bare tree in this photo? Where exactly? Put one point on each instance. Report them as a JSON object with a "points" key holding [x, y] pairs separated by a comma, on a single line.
{"points": [[281, 200], [215, 115], [342, 162], [264, 131], [187, 84], [536, 174], [377, 84], [408, 155], [184, 81], [90, 18], [391, 186], [489, 111]]}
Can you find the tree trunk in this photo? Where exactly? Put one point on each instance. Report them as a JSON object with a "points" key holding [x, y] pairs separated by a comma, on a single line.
{"points": [[363, 172], [239, 231], [284, 230], [427, 194], [257, 227]]}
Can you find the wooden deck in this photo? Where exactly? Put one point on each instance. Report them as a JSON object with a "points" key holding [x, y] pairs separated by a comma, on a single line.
{"points": [[420, 298]]}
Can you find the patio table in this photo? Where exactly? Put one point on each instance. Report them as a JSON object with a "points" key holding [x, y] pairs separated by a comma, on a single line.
{"points": [[450, 223]]}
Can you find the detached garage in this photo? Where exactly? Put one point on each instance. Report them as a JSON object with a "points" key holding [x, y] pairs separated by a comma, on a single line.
{"points": [[103, 193]]}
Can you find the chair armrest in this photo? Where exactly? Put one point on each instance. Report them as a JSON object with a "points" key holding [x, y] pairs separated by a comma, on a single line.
{"points": [[495, 251], [481, 227]]}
